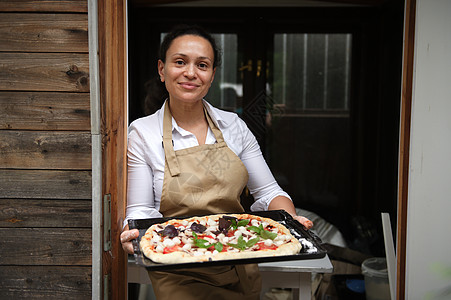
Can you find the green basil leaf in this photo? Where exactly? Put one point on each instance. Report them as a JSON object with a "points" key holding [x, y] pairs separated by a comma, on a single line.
{"points": [[234, 225], [254, 229], [252, 242], [219, 246], [243, 222], [201, 243], [241, 243], [265, 234]]}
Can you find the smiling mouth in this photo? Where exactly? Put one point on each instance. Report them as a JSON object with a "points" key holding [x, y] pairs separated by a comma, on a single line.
{"points": [[188, 86]]}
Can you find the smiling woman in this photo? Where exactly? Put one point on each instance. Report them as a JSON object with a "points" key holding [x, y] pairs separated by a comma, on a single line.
{"points": [[188, 71], [208, 157]]}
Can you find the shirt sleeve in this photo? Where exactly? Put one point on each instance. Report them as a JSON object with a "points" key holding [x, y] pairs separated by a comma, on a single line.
{"points": [[140, 195], [262, 184]]}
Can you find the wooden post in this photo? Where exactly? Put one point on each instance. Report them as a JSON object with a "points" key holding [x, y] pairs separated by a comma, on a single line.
{"points": [[404, 145], [113, 95]]}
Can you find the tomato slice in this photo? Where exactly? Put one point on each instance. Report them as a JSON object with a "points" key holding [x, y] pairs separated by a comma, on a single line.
{"points": [[262, 246], [171, 249], [231, 233]]}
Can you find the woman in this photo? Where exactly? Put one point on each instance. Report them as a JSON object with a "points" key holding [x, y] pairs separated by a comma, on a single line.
{"points": [[190, 158]]}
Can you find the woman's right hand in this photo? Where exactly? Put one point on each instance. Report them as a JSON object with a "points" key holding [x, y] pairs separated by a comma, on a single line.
{"points": [[126, 239]]}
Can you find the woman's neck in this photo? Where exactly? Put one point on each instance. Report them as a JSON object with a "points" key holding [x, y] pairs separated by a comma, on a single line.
{"points": [[191, 117]]}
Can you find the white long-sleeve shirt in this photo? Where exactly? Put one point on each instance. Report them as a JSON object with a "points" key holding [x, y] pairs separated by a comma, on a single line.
{"points": [[146, 160]]}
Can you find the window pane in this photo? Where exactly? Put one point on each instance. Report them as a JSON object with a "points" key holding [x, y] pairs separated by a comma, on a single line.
{"points": [[226, 90], [308, 143], [311, 71]]}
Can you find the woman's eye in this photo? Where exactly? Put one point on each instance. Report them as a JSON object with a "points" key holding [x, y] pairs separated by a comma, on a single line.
{"points": [[203, 66], [179, 62]]}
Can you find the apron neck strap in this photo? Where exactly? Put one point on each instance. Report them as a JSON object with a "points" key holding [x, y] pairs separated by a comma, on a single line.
{"points": [[216, 132], [169, 152]]}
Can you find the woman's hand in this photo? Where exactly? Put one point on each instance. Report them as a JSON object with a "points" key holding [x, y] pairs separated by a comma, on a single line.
{"points": [[281, 202], [304, 221], [126, 239]]}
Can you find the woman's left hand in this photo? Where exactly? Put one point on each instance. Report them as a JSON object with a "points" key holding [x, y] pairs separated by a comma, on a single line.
{"points": [[304, 221]]}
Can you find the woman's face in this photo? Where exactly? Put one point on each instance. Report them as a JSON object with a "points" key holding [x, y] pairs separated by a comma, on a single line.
{"points": [[188, 71]]}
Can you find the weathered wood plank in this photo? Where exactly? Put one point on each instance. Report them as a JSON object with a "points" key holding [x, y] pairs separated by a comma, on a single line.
{"points": [[45, 150], [35, 184], [65, 72], [45, 213], [45, 282], [44, 32], [44, 111], [45, 246], [44, 6]]}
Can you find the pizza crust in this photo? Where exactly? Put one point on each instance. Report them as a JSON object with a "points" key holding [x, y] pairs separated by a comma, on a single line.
{"points": [[155, 246]]}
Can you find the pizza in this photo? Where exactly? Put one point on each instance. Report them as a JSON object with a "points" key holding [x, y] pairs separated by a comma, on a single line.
{"points": [[217, 237]]}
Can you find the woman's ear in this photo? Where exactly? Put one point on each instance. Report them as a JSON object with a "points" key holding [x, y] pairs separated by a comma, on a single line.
{"points": [[161, 70]]}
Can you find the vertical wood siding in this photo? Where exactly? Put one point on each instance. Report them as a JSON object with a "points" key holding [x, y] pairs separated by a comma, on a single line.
{"points": [[45, 150]]}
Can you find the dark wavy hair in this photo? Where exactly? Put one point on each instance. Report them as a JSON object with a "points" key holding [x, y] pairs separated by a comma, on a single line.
{"points": [[156, 90]]}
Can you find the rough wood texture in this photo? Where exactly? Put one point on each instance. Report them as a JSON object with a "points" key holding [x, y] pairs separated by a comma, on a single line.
{"points": [[44, 5], [44, 111], [35, 184], [45, 213], [45, 150], [45, 282], [45, 246], [44, 32], [68, 72]]}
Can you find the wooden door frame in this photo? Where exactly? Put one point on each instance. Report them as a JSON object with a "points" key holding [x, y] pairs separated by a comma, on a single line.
{"points": [[404, 144], [112, 30]]}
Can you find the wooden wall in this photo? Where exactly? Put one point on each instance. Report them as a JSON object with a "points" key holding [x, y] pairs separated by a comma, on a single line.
{"points": [[45, 150]]}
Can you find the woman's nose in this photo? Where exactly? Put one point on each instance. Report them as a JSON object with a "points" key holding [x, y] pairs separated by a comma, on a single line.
{"points": [[190, 71]]}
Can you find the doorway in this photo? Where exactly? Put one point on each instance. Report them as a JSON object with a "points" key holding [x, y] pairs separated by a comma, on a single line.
{"points": [[318, 89]]}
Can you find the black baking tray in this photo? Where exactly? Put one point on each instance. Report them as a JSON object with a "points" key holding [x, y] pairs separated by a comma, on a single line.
{"points": [[311, 244]]}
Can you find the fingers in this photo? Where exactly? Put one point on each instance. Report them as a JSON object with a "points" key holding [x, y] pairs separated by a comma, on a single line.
{"points": [[128, 247], [304, 221], [126, 237]]}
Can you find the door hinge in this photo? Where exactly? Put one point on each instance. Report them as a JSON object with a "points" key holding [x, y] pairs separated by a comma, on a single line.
{"points": [[107, 222]]}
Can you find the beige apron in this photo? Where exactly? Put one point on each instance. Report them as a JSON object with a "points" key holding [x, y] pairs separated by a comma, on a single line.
{"points": [[200, 180]]}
